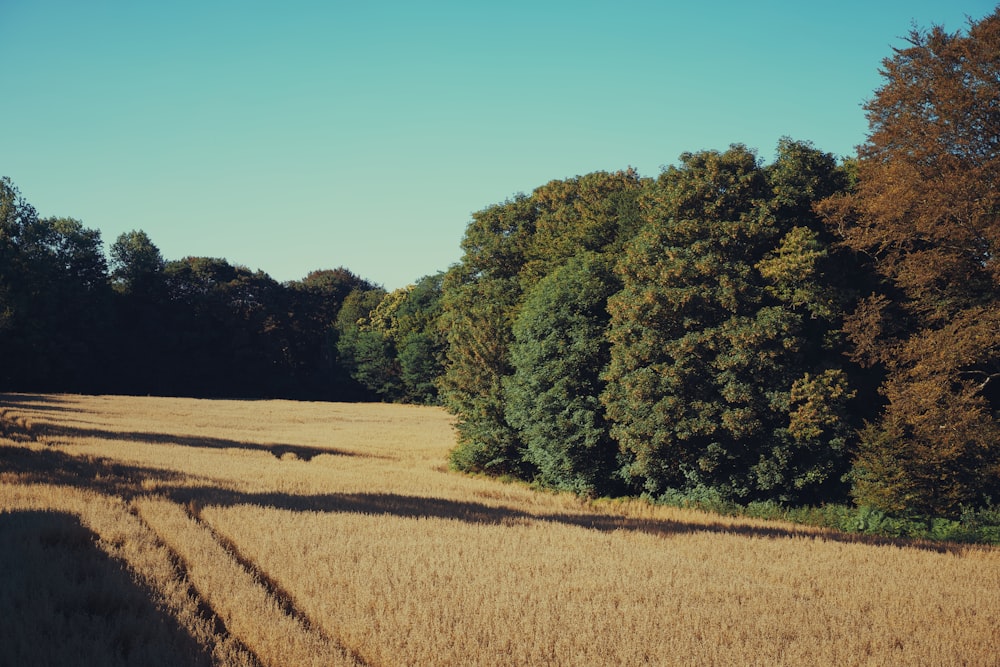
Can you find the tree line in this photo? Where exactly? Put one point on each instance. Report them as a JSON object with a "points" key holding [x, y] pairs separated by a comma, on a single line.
{"points": [[74, 320], [803, 331]]}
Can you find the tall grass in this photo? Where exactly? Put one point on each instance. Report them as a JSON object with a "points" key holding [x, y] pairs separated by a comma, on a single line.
{"points": [[309, 533]]}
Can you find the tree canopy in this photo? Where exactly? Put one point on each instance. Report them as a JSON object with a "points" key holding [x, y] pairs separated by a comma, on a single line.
{"points": [[721, 371], [800, 331], [926, 212]]}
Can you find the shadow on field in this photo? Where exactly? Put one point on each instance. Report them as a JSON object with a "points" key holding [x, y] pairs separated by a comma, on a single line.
{"points": [[397, 505], [34, 402], [126, 481], [48, 466], [44, 430], [275, 449], [65, 602]]}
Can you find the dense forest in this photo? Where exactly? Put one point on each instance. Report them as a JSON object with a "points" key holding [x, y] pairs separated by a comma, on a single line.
{"points": [[804, 331]]}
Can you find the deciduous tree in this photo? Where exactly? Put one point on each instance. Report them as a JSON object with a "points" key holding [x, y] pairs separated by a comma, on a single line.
{"points": [[553, 397], [926, 212], [720, 374]]}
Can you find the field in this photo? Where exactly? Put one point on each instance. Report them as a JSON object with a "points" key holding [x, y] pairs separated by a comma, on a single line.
{"points": [[161, 531]]}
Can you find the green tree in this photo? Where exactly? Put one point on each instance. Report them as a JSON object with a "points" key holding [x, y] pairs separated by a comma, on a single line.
{"points": [[508, 248], [418, 338], [925, 212], [310, 335], [552, 397], [721, 374], [364, 352], [391, 342], [596, 212], [480, 300], [478, 316], [54, 300], [136, 264]]}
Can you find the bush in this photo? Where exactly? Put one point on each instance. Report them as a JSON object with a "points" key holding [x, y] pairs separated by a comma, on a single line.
{"points": [[975, 526]]}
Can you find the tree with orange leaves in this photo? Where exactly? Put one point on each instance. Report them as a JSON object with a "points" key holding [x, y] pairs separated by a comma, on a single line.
{"points": [[926, 211]]}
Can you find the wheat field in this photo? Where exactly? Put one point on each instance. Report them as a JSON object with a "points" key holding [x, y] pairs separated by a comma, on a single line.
{"points": [[164, 531]]}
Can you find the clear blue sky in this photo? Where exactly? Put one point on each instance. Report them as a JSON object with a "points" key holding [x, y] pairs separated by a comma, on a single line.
{"points": [[292, 136]]}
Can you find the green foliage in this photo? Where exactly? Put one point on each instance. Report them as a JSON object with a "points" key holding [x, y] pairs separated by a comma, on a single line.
{"points": [[508, 249], [391, 343], [719, 374], [481, 297], [596, 212], [365, 352], [974, 526], [478, 317], [552, 398], [420, 364], [413, 326], [137, 265]]}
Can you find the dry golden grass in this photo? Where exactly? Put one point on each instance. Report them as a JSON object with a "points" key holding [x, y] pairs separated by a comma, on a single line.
{"points": [[275, 532], [191, 637]]}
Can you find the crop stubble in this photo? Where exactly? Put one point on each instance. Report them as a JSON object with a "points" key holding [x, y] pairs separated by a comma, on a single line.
{"points": [[278, 532]]}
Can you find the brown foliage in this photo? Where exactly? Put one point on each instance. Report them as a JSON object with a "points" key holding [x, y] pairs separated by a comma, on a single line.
{"points": [[927, 212]]}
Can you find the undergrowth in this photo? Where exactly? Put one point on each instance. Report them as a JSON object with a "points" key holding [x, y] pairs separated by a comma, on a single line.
{"points": [[972, 526]]}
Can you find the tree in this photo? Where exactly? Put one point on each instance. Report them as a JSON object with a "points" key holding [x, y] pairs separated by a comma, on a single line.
{"points": [[225, 330], [366, 354], [480, 299], [596, 212], [508, 249], [478, 316], [925, 213], [720, 375], [16, 215], [391, 343], [54, 302], [313, 305], [68, 316], [136, 264], [413, 326], [553, 396]]}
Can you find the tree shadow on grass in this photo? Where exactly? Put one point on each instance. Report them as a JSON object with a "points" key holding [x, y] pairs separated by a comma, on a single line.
{"points": [[35, 402], [50, 466], [127, 481], [46, 430], [66, 602], [49, 431], [397, 505]]}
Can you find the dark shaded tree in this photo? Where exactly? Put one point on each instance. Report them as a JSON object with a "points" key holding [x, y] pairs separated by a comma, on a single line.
{"points": [[313, 305], [364, 353], [54, 300], [137, 265], [142, 316], [225, 330]]}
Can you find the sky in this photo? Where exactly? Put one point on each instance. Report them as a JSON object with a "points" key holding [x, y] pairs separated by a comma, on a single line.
{"points": [[302, 135]]}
